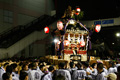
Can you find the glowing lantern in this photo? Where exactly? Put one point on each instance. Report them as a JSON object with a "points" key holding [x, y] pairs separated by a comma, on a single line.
{"points": [[66, 43], [78, 9], [97, 28], [46, 29], [82, 42], [59, 25], [77, 13]]}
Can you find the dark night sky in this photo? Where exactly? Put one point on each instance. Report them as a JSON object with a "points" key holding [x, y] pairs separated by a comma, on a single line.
{"points": [[93, 9]]}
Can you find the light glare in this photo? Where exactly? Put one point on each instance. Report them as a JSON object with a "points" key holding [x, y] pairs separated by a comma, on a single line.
{"points": [[56, 40]]}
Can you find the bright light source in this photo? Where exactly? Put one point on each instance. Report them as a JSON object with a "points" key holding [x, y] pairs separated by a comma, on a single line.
{"points": [[118, 34], [66, 42], [78, 9], [118, 53], [82, 42], [56, 40], [46, 29], [113, 43], [72, 21], [97, 28]]}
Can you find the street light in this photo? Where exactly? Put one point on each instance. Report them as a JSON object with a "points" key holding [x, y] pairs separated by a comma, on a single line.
{"points": [[118, 34]]}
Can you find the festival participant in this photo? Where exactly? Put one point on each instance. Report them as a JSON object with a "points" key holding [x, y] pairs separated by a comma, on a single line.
{"points": [[88, 70], [41, 69], [34, 74], [9, 71], [105, 69], [101, 74], [7, 76], [112, 69], [72, 67], [15, 74], [23, 76], [94, 71], [25, 68], [117, 63], [63, 71], [50, 74], [79, 74]]}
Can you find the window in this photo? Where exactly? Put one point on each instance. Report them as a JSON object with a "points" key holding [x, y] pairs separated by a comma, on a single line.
{"points": [[8, 16]]}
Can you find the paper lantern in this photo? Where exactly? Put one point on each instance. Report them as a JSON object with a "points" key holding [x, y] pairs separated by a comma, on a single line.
{"points": [[97, 28], [82, 43], [66, 42], [46, 29], [77, 13], [59, 25], [78, 9]]}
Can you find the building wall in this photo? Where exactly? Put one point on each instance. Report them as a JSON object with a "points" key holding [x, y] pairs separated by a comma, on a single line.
{"points": [[24, 19], [44, 46], [21, 12], [39, 50]]}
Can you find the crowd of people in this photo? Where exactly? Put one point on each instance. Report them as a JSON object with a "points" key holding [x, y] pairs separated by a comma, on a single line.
{"points": [[38, 70]]}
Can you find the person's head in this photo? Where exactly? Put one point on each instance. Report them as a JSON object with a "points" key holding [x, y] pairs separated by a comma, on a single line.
{"points": [[25, 67], [9, 69], [36, 62], [5, 65], [117, 62], [79, 65], [46, 71], [29, 66], [21, 63], [85, 64], [59, 77], [111, 64], [111, 76], [72, 65], [33, 65], [14, 67], [7, 76], [41, 68], [94, 65], [51, 68], [23, 76], [61, 65], [100, 67]]}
